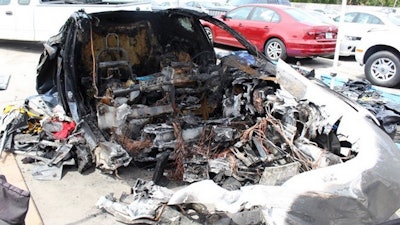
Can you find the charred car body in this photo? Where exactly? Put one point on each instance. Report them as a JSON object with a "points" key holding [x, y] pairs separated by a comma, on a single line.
{"points": [[147, 87]]}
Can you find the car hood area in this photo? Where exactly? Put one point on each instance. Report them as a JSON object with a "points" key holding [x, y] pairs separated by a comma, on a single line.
{"points": [[229, 140]]}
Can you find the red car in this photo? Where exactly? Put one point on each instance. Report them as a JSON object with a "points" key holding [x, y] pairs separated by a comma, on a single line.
{"points": [[278, 31]]}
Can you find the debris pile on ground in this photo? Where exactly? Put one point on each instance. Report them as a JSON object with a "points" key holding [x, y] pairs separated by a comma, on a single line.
{"points": [[382, 104]]}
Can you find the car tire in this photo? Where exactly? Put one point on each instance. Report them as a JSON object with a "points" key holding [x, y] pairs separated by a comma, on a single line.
{"points": [[209, 34], [275, 49], [383, 69]]}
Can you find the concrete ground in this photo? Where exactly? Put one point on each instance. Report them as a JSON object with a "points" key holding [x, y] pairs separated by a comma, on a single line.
{"points": [[72, 199]]}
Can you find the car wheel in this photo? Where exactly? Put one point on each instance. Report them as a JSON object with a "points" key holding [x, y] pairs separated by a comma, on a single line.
{"points": [[275, 49], [209, 34], [383, 69]]}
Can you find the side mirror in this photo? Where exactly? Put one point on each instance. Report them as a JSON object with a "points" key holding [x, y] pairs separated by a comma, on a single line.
{"points": [[223, 17]]}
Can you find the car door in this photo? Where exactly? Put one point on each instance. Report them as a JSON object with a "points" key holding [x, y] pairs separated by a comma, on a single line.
{"points": [[360, 23], [236, 19], [367, 21], [24, 20], [261, 22], [16, 20], [7, 19]]}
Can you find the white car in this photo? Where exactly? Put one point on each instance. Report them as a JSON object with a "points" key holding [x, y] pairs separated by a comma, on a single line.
{"points": [[37, 20], [379, 51], [157, 5], [357, 23], [203, 6]]}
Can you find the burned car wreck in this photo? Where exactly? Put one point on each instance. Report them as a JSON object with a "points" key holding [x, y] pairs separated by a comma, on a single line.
{"points": [[117, 88]]}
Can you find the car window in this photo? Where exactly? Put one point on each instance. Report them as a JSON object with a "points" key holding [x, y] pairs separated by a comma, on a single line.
{"points": [[348, 17], [268, 1], [5, 2], [239, 13], [365, 18], [374, 20], [285, 2], [265, 14], [24, 2], [300, 15], [362, 18]]}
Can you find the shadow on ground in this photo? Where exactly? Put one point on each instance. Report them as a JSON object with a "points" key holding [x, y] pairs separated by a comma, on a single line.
{"points": [[23, 46]]}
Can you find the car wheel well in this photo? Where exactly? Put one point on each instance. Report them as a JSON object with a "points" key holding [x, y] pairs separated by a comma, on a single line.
{"points": [[378, 48], [383, 69], [282, 43], [209, 33], [270, 38]]}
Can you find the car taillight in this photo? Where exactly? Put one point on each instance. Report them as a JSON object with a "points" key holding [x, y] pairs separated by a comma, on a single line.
{"points": [[321, 35]]}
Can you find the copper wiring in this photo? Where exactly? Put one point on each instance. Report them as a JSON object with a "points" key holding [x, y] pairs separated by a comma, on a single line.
{"points": [[180, 152]]}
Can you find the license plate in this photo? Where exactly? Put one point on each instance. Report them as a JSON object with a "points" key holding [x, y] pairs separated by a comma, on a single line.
{"points": [[328, 35]]}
